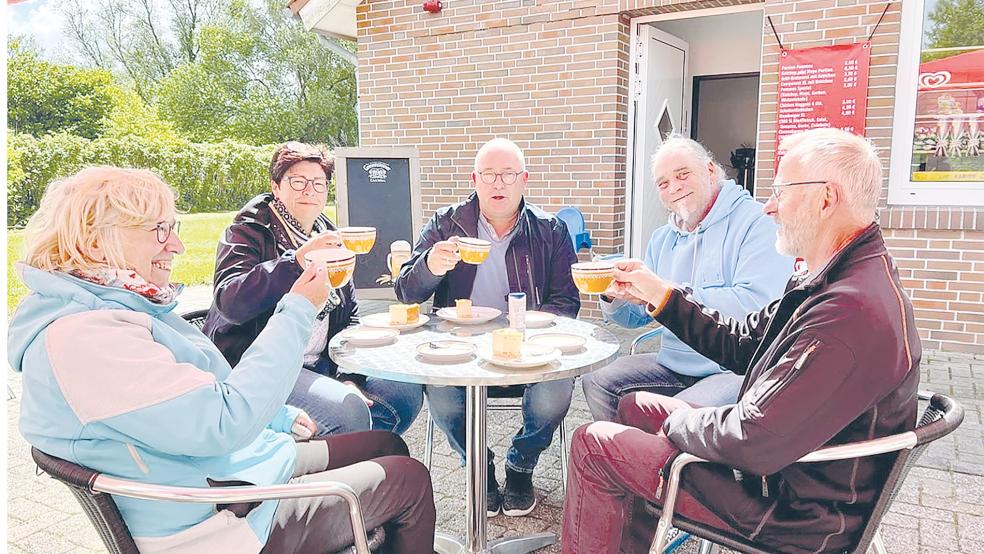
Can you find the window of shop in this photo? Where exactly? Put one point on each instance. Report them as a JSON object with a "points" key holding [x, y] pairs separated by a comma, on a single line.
{"points": [[938, 139]]}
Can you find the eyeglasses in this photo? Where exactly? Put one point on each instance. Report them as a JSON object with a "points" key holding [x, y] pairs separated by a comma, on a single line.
{"points": [[777, 187], [508, 177], [300, 183], [164, 230]]}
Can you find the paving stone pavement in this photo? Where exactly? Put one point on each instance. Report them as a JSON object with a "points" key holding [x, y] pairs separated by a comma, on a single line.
{"points": [[940, 508]]}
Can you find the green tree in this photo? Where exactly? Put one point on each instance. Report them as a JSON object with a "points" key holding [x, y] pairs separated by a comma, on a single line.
{"points": [[955, 23], [43, 97], [261, 78]]}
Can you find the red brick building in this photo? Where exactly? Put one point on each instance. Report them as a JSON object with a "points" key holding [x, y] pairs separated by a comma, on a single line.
{"points": [[578, 85]]}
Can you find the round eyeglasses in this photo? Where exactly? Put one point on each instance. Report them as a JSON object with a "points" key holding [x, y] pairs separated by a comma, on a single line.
{"points": [[164, 230], [507, 177], [301, 183]]}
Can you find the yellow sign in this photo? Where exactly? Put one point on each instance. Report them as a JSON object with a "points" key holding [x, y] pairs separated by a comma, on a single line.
{"points": [[942, 176]]}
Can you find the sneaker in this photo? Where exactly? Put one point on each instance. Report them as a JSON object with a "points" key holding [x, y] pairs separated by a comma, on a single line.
{"points": [[518, 497], [494, 497]]}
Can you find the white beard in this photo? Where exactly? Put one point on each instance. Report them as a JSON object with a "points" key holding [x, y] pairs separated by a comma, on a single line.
{"points": [[792, 238]]}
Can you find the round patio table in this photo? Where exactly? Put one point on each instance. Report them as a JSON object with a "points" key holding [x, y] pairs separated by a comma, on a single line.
{"points": [[399, 361]]}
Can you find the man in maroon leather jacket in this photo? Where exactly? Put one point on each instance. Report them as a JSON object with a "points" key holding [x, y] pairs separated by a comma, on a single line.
{"points": [[835, 360]]}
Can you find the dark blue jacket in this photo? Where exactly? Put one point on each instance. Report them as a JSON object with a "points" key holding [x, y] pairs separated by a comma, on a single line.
{"points": [[538, 259]]}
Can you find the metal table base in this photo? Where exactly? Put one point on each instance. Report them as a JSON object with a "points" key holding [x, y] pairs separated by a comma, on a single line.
{"points": [[476, 495]]}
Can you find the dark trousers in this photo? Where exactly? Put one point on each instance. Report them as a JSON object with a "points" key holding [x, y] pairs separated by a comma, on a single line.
{"points": [[394, 489]]}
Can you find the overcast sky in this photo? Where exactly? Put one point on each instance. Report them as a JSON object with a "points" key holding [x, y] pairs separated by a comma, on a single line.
{"points": [[40, 20]]}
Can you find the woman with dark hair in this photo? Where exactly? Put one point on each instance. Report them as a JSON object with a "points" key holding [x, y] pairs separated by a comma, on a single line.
{"points": [[261, 254]]}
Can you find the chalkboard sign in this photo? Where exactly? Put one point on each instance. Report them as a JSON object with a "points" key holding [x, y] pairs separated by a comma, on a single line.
{"points": [[378, 187]]}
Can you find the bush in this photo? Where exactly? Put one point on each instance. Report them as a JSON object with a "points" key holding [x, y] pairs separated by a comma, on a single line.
{"points": [[208, 177]]}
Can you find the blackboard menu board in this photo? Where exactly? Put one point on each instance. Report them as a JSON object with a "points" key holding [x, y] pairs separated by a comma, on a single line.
{"points": [[378, 187]]}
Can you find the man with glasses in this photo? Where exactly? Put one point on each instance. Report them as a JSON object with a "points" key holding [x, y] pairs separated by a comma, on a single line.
{"points": [[719, 245], [834, 361], [531, 252]]}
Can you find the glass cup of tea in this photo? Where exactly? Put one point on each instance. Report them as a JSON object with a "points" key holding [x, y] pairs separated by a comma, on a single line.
{"points": [[593, 277], [473, 251], [339, 262], [358, 239], [399, 253]]}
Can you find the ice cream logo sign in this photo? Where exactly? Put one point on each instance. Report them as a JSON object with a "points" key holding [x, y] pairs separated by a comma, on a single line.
{"points": [[377, 171], [933, 80]]}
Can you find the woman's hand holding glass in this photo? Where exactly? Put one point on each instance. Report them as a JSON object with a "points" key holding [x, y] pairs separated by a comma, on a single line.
{"points": [[313, 284], [327, 239]]}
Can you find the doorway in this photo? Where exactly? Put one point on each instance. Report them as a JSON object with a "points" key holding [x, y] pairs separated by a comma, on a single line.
{"points": [[694, 73]]}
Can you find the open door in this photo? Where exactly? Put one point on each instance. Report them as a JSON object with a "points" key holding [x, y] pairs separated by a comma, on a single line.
{"points": [[661, 99]]}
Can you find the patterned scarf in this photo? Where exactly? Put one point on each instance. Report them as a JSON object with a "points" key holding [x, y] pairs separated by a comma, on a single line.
{"points": [[290, 236], [127, 279]]}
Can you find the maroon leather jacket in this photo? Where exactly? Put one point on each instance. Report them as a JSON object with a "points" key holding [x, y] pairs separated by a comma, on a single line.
{"points": [[835, 360]]}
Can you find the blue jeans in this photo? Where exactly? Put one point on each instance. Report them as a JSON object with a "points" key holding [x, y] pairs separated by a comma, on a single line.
{"points": [[544, 407], [604, 388], [336, 408]]}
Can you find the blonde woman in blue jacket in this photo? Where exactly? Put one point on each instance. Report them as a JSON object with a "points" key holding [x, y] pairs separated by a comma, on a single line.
{"points": [[116, 381]]}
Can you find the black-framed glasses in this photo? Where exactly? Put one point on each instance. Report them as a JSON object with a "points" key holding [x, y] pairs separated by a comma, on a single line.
{"points": [[508, 177], [301, 183], [777, 187], [164, 230]]}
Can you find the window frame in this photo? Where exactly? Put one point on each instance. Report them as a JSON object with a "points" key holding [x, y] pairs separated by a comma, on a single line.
{"points": [[901, 189]]}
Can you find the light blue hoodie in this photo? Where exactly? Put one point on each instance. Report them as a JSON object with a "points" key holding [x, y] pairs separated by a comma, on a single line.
{"points": [[126, 387], [729, 261]]}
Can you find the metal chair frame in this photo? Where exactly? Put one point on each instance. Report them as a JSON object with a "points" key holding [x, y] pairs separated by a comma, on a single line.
{"points": [[941, 417]]}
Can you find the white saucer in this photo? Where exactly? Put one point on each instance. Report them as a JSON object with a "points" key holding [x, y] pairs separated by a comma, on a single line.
{"points": [[531, 355], [479, 315], [536, 319], [446, 350], [369, 336], [565, 342], [383, 320]]}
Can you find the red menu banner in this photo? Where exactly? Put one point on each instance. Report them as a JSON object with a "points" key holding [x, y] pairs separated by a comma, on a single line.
{"points": [[826, 86]]}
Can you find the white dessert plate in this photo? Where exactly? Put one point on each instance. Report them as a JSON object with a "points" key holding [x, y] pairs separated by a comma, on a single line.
{"points": [[446, 350], [479, 315], [536, 319], [531, 355], [383, 320], [565, 342], [369, 336]]}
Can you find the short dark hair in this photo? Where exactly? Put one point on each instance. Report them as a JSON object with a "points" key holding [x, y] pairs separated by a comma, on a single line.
{"points": [[292, 152]]}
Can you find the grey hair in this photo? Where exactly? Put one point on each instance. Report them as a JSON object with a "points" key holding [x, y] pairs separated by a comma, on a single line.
{"points": [[505, 144], [676, 140], [843, 158]]}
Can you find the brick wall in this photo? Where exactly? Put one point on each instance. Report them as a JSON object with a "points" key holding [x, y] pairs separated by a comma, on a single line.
{"points": [[553, 76]]}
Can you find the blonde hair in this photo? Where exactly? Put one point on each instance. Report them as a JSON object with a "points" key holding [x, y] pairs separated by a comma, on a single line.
{"points": [[843, 158], [81, 215]]}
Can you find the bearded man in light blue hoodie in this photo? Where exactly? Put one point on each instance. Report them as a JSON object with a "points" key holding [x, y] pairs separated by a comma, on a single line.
{"points": [[719, 243]]}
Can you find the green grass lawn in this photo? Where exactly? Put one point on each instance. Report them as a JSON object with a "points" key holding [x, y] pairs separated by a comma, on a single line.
{"points": [[199, 232]]}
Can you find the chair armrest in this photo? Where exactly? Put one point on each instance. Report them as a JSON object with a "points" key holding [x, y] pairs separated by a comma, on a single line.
{"points": [[229, 495], [859, 449], [643, 338], [673, 485]]}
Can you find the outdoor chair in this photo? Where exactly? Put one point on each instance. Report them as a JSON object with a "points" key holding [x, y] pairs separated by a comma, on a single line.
{"points": [[940, 418], [196, 318], [93, 491], [574, 220]]}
